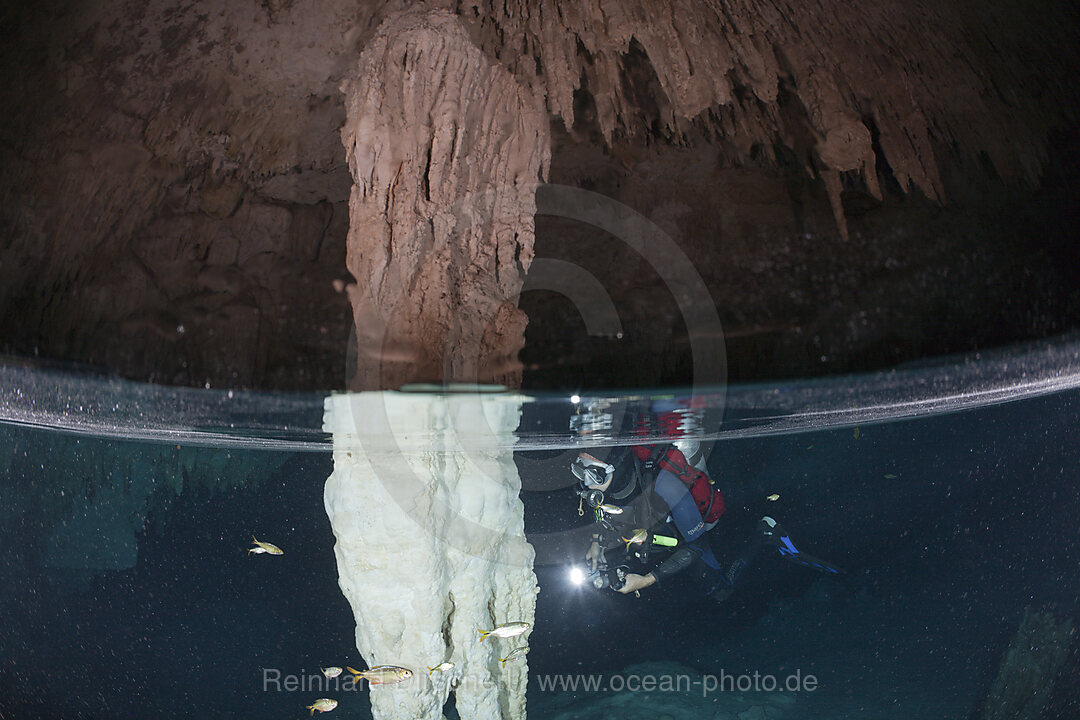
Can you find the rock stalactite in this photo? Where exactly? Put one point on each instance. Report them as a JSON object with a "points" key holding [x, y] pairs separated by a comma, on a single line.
{"points": [[923, 78], [446, 149]]}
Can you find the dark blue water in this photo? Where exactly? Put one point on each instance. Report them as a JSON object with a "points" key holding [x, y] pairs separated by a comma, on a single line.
{"points": [[948, 529], [126, 589]]}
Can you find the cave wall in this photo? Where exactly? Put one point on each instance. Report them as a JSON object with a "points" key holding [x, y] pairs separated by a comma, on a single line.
{"points": [[174, 193], [915, 279]]}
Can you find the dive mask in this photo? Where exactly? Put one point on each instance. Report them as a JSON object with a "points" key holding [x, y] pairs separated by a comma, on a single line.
{"points": [[590, 471]]}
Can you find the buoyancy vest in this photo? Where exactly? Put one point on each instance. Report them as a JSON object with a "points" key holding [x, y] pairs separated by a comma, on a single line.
{"points": [[708, 498]]}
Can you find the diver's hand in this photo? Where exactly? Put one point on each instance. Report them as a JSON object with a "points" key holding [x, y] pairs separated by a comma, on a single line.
{"points": [[635, 582], [594, 554]]}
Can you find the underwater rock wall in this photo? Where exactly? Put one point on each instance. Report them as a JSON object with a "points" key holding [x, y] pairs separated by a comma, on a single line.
{"points": [[424, 503], [1029, 668], [81, 505]]}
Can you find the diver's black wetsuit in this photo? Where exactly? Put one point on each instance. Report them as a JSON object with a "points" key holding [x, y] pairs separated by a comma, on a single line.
{"points": [[662, 504]]}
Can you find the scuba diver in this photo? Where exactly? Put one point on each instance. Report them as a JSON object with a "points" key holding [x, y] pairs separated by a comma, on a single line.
{"points": [[660, 498]]}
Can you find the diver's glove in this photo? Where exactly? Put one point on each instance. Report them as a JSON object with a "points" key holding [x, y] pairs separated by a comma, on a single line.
{"points": [[590, 471]]}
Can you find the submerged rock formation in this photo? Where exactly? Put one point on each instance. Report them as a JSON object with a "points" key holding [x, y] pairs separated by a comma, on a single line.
{"points": [[80, 506], [1030, 666], [431, 546]]}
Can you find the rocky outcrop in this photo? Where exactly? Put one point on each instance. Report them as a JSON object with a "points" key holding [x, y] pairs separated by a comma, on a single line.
{"points": [[446, 149]]}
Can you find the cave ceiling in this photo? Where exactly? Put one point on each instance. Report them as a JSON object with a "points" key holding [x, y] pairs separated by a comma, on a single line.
{"points": [[857, 185]]}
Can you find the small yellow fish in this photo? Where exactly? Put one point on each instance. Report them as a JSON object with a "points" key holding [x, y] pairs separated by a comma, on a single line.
{"points": [[610, 509], [264, 547], [856, 432], [441, 667], [515, 653], [504, 631], [773, 498], [890, 476], [322, 705], [382, 674], [637, 538], [809, 447], [331, 672]]}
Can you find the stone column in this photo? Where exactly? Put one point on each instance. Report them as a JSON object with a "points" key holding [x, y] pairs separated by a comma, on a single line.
{"points": [[424, 503], [446, 149]]}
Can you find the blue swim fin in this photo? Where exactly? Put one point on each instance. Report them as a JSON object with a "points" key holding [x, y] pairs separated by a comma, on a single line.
{"points": [[775, 535]]}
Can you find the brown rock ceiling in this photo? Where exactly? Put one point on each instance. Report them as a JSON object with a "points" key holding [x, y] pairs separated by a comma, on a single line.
{"points": [[174, 189]]}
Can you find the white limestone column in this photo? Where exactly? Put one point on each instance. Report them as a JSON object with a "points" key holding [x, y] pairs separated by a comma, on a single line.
{"points": [[424, 501]]}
